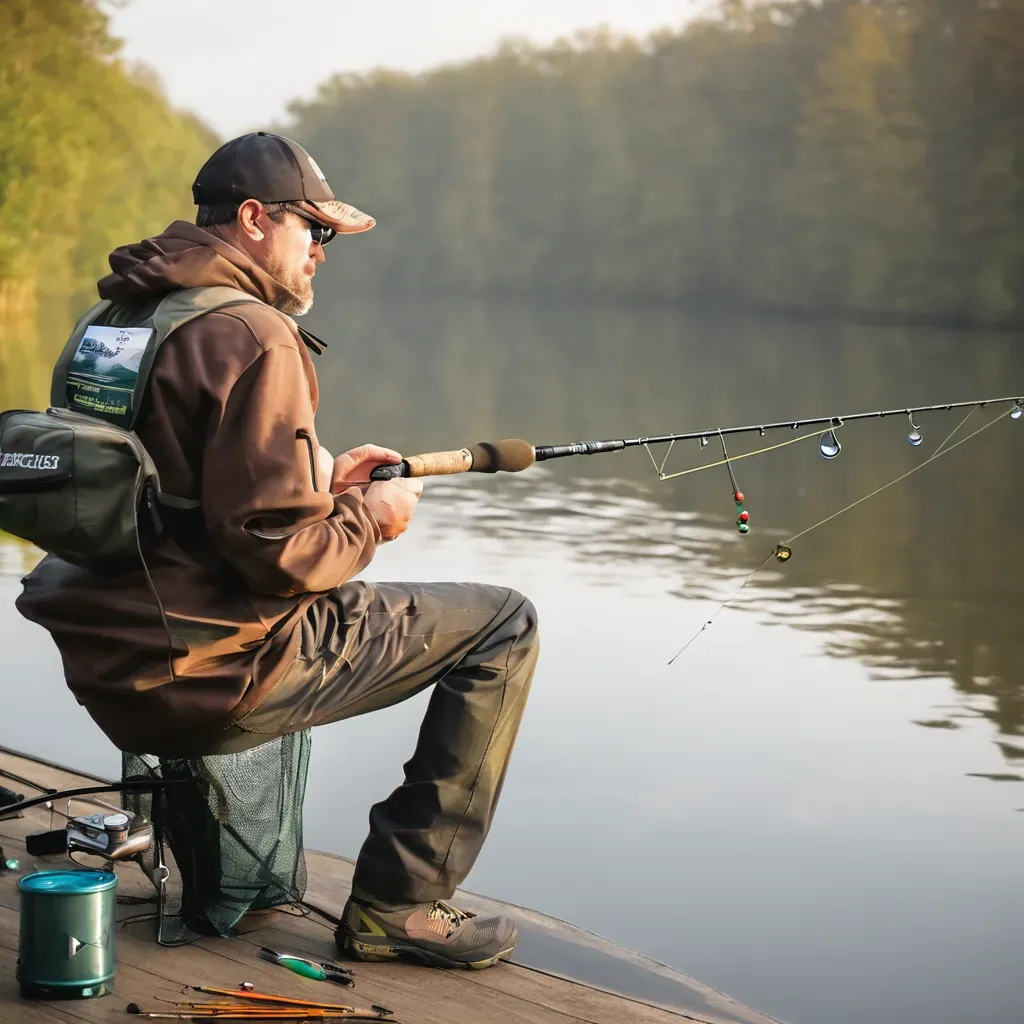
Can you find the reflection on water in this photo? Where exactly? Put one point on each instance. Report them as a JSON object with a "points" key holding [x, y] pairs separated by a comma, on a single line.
{"points": [[940, 553], [911, 635], [932, 562], [804, 800]]}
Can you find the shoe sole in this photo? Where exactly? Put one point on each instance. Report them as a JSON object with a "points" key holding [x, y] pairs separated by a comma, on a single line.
{"points": [[379, 952]]}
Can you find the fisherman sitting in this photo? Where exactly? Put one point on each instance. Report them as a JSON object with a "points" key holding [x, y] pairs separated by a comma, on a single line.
{"points": [[243, 622]]}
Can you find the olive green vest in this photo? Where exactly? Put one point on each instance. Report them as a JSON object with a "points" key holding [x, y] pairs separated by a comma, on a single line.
{"points": [[73, 478]]}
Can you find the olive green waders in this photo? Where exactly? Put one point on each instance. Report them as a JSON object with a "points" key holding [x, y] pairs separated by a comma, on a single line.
{"points": [[368, 646]]}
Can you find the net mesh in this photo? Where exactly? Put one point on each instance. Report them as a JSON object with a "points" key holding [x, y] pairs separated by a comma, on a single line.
{"points": [[228, 834]]}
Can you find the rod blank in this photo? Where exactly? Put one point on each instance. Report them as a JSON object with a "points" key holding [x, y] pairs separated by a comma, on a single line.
{"points": [[514, 455]]}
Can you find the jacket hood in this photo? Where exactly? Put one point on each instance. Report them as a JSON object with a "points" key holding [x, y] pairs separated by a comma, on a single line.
{"points": [[185, 256]]}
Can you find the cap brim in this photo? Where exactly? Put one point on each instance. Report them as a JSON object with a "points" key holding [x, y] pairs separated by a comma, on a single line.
{"points": [[345, 219]]}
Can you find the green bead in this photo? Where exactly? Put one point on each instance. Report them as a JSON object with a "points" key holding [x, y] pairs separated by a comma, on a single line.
{"points": [[743, 528]]}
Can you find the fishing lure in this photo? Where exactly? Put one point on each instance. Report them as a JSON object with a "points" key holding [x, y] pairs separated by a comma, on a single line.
{"points": [[308, 968]]}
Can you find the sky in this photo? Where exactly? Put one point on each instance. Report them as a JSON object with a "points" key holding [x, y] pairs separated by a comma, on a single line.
{"points": [[237, 63]]}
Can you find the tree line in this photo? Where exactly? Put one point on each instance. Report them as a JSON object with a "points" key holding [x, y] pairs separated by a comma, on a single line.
{"points": [[851, 157], [842, 157], [91, 156]]}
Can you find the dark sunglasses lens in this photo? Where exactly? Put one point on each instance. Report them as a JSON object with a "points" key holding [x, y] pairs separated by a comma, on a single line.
{"points": [[321, 233]]}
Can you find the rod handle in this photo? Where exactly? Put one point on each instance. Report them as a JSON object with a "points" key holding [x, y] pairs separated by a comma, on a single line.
{"points": [[428, 464], [509, 456]]}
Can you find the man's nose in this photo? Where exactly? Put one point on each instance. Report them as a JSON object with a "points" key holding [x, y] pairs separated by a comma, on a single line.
{"points": [[318, 252]]}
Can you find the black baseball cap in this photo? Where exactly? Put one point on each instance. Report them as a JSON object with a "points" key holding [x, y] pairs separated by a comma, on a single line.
{"points": [[274, 169]]}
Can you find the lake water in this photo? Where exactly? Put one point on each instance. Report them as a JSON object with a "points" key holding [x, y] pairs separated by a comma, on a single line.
{"points": [[818, 806]]}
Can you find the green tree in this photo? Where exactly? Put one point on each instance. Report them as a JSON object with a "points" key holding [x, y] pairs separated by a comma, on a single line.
{"points": [[91, 156], [853, 203]]}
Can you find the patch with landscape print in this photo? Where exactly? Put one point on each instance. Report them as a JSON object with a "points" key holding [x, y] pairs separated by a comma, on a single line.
{"points": [[104, 371]]}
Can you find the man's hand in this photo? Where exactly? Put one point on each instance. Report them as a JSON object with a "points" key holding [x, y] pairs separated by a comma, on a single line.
{"points": [[392, 503], [353, 467]]}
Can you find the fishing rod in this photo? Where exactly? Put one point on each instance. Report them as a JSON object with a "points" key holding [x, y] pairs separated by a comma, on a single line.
{"points": [[514, 455]]}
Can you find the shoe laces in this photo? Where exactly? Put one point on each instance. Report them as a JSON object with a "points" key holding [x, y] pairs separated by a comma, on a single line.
{"points": [[445, 911]]}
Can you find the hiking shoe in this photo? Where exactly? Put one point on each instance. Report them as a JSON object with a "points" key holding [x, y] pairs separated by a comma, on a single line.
{"points": [[436, 934]]}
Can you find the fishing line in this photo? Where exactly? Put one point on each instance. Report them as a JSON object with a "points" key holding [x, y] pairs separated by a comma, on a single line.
{"points": [[938, 450], [722, 606], [910, 472], [721, 462], [728, 464], [781, 551]]}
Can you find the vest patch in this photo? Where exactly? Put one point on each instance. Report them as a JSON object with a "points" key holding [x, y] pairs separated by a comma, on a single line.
{"points": [[24, 460], [104, 372]]}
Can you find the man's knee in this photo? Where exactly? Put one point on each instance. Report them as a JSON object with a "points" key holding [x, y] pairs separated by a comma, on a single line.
{"points": [[523, 618], [511, 637], [522, 661]]}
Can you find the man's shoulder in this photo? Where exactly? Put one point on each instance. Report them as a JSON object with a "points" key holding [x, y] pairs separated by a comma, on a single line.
{"points": [[269, 327], [220, 344]]}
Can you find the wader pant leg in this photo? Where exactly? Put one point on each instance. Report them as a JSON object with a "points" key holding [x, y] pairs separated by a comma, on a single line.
{"points": [[477, 646]]}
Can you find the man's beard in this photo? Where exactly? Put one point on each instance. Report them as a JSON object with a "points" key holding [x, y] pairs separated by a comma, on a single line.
{"points": [[299, 285]]}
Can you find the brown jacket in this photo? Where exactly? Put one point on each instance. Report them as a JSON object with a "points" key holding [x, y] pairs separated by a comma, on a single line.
{"points": [[229, 400]]}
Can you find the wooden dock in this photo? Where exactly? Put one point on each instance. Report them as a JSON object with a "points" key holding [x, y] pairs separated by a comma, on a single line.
{"points": [[521, 992]]}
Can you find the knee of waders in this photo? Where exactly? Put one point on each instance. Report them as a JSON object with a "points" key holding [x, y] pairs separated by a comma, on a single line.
{"points": [[524, 617], [526, 647]]}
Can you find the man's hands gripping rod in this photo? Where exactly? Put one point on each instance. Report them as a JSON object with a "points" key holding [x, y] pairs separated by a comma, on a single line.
{"points": [[392, 486], [391, 502], [508, 456]]}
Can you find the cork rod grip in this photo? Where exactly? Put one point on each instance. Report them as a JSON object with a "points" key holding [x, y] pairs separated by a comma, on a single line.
{"points": [[440, 463], [509, 456]]}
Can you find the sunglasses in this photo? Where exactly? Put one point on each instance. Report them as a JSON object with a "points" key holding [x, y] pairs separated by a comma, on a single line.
{"points": [[320, 233]]}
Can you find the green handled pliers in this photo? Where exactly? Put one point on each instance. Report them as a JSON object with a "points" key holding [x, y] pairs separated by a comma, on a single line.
{"points": [[308, 968]]}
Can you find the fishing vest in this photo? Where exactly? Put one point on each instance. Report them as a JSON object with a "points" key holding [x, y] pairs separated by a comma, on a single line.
{"points": [[74, 478]]}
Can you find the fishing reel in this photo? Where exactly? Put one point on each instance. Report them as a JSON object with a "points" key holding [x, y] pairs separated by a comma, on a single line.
{"points": [[115, 836]]}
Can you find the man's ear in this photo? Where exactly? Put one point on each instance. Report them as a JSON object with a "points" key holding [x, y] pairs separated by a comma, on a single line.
{"points": [[248, 220]]}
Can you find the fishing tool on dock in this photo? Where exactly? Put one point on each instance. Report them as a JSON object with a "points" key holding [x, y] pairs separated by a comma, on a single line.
{"points": [[9, 797], [66, 934], [264, 997], [252, 1013], [117, 835], [261, 1006], [514, 455], [318, 971]]}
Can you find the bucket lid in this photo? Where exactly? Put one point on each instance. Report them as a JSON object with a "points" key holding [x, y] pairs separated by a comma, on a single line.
{"points": [[67, 881]]}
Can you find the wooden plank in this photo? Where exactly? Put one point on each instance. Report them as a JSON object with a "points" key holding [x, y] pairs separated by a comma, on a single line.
{"points": [[330, 882], [147, 972], [144, 976]]}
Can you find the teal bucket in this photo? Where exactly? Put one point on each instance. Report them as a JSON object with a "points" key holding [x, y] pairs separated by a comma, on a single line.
{"points": [[66, 940]]}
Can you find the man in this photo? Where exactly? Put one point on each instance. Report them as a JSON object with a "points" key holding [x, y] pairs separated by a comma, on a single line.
{"points": [[269, 633]]}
